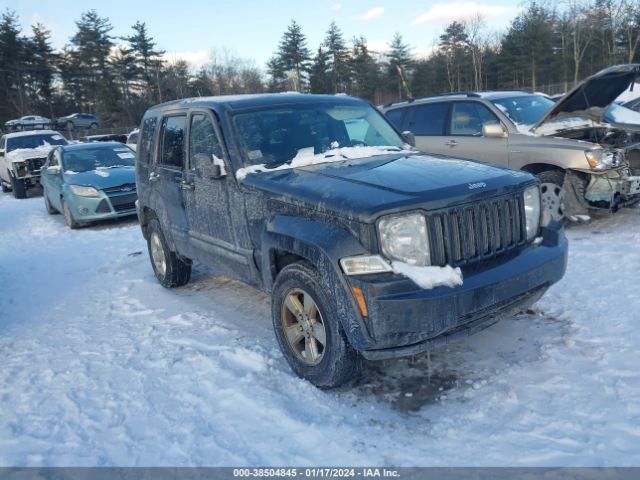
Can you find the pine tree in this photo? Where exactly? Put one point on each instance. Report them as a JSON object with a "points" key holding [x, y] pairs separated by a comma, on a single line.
{"points": [[364, 70], [41, 69], [12, 53], [338, 56], [147, 57], [293, 57], [320, 75], [399, 55]]}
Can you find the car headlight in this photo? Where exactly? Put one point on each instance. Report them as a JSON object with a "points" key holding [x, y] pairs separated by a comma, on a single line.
{"points": [[532, 210], [405, 238], [601, 159], [84, 191], [20, 168]]}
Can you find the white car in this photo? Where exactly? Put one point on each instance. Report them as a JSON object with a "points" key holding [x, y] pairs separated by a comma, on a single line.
{"points": [[28, 122], [22, 155], [132, 139]]}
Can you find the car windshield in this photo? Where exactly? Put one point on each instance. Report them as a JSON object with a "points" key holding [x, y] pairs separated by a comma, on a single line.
{"points": [[621, 114], [524, 109], [275, 135], [99, 157], [35, 141]]}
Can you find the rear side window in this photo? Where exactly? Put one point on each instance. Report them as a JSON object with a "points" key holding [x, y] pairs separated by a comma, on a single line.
{"points": [[147, 134], [428, 119], [173, 129]]}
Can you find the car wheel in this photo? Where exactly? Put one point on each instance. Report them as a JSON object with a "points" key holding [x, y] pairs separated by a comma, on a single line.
{"points": [[306, 325], [47, 204], [4, 187], [93, 126], [68, 216], [170, 269], [552, 193], [19, 188]]}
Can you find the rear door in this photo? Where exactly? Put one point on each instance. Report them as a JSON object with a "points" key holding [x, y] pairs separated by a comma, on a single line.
{"points": [[464, 134], [167, 178], [209, 211]]}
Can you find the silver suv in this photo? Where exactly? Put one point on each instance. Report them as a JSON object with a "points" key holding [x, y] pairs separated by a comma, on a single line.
{"points": [[585, 151]]}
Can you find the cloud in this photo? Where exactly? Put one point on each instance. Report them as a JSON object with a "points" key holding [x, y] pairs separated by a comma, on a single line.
{"points": [[378, 46], [448, 12], [195, 58], [373, 13], [336, 6]]}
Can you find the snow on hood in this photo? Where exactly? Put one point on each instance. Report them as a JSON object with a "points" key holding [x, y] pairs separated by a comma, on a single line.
{"points": [[21, 154], [591, 98], [305, 157]]}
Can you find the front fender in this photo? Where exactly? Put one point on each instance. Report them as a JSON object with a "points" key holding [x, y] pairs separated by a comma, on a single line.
{"points": [[322, 245]]}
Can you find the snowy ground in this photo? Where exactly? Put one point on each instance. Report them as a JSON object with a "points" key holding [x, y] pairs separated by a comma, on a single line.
{"points": [[99, 365]]}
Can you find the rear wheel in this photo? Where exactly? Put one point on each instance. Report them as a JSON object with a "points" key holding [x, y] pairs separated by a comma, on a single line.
{"points": [[306, 324], [552, 193], [93, 126], [47, 204], [18, 187], [170, 269]]}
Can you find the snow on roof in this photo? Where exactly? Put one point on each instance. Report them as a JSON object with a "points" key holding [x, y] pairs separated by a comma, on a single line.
{"points": [[30, 132], [20, 154]]}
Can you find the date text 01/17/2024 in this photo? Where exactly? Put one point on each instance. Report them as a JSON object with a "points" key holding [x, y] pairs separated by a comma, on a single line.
{"points": [[315, 472]]}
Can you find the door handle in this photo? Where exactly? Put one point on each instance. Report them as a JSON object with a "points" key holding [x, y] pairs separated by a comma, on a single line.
{"points": [[184, 185], [451, 143], [154, 177]]}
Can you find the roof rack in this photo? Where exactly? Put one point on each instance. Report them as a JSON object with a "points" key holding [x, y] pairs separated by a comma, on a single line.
{"points": [[467, 94]]}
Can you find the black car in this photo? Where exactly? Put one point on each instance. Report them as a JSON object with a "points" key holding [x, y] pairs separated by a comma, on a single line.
{"points": [[369, 248]]}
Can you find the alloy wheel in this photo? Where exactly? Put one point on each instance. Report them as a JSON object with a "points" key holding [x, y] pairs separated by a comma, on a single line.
{"points": [[303, 326]]}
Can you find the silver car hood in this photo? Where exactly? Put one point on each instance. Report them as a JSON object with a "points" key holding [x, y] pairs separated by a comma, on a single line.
{"points": [[590, 100]]}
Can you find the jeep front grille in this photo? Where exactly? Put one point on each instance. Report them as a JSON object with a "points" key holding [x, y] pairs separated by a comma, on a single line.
{"points": [[461, 235]]}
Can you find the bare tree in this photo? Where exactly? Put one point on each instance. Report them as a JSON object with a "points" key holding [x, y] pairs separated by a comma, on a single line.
{"points": [[630, 27], [477, 43], [582, 30]]}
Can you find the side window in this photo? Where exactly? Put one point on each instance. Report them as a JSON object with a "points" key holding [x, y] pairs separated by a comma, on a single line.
{"points": [[148, 133], [202, 137], [396, 117], [467, 118], [429, 119], [172, 153]]}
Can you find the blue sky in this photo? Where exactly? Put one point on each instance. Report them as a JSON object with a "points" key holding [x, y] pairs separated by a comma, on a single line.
{"points": [[251, 29]]}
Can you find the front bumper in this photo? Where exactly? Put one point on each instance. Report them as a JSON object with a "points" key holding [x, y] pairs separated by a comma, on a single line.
{"points": [[405, 320], [89, 209], [613, 187]]}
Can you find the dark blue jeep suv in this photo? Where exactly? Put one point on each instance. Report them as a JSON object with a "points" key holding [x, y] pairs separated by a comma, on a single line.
{"points": [[369, 248]]}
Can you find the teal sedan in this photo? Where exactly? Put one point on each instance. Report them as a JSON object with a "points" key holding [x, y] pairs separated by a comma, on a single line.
{"points": [[90, 182]]}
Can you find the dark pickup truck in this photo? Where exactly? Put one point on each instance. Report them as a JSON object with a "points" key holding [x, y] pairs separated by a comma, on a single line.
{"points": [[369, 249]]}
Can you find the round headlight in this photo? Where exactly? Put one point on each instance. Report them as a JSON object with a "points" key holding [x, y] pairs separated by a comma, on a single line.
{"points": [[405, 238]]}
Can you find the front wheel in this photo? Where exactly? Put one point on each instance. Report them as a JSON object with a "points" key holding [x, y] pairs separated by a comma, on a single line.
{"points": [[18, 187], [170, 269], [306, 324], [72, 223], [552, 193], [93, 126]]}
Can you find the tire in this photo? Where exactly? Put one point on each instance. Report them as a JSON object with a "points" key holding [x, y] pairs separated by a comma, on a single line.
{"points": [[93, 126], [68, 216], [4, 187], [552, 193], [296, 328], [47, 204], [19, 188], [170, 270]]}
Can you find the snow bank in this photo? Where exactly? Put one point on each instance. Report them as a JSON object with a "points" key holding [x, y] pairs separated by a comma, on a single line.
{"points": [[429, 277], [305, 157]]}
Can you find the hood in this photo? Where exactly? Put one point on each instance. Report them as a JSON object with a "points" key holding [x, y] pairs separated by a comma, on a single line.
{"points": [[365, 188], [591, 98], [102, 177], [22, 154]]}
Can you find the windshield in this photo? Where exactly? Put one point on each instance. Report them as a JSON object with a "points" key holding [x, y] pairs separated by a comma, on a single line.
{"points": [[35, 141], [274, 135], [524, 109], [88, 159], [621, 114]]}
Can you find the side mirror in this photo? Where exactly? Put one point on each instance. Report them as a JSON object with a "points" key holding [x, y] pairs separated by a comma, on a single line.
{"points": [[493, 130], [207, 167], [53, 170], [409, 138]]}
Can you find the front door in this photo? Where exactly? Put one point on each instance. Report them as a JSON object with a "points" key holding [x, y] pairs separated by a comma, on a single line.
{"points": [[211, 222], [465, 138], [52, 182]]}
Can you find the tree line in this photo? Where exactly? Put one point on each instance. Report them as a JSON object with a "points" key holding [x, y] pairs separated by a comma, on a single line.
{"points": [[547, 46]]}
